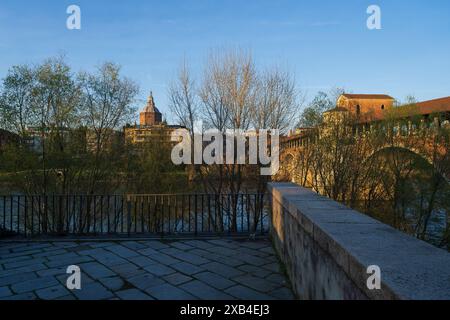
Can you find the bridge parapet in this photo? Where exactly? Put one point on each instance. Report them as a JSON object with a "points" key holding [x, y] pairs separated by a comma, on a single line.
{"points": [[327, 248]]}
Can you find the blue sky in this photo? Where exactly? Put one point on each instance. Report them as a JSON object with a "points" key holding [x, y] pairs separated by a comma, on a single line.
{"points": [[324, 43]]}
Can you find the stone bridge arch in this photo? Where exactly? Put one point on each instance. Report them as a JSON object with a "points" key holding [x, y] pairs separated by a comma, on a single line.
{"points": [[287, 165], [409, 151], [289, 157]]}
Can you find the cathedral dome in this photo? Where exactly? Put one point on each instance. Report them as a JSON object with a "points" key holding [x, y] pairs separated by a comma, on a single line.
{"points": [[150, 116], [150, 107]]}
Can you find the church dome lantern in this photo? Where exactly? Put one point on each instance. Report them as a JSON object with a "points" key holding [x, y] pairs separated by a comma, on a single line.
{"points": [[150, 115]]}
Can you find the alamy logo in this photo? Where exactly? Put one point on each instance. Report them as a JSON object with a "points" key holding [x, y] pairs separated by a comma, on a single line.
{"points": [[232, 147], [374, 20], [374, 280], [74, 280], [74, 20]]}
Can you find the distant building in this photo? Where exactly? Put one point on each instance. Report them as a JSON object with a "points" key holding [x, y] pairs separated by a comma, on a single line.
{"points": [[81, 139], [150, 116], [37, 136], [151, 127], [365, 103], [105, 140], [299, 131], [370, 108], [435, 106]]}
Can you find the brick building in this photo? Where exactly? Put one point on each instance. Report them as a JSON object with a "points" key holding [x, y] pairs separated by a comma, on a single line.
{"points": [[151, 127], [365, 103]]}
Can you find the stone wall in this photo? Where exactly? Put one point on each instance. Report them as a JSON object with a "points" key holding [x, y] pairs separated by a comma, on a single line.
{"points": [[327, 247]]}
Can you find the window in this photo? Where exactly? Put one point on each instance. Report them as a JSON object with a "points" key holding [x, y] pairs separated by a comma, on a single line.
{"points": [[358, 109], [382, 107]]}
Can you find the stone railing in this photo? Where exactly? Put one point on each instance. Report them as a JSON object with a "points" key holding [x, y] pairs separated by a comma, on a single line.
{"points": [[327, 249]]}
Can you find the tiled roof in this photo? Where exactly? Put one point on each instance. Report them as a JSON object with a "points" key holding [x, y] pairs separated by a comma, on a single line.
{"points": [[434, 106], [439, 105], [150, 107], [367, 96]]}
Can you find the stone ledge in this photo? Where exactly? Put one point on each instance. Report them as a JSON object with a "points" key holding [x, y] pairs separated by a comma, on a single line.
{"points": [[410, 268]]}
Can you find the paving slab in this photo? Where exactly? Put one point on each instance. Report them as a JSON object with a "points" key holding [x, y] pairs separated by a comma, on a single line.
{"points": [[4, 292], [21, 297], [159, 269], [8, 280], [163, 258], [224, 270], [18, 264], [199, 244], [134, 245], [277, 278], [273, 267], [127, 270], [250, 259], [68, 262], [256, 283], [49, 253], [256, 271], [112, 283], [142, 261], [203, 291], [155, 245], [215, 280], [52, 272], [133, 294], [186, 256], [66, 298], [93, 291], [187, 268], [180, 245], [282, 294], [34, 284], [52, 293], [177, 278], [244, 293], [145, 281], [96, 270], [63, 256], [6, 258], [109, 259], [122, 251], [143, 270], [169, 292], [229, 261]]}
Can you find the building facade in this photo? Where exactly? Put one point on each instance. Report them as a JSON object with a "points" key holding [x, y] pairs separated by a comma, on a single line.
{"points": [[151, 127], [370, 108], [359, 104]]}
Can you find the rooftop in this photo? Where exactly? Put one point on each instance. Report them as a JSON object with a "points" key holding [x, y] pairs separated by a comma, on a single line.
{"points": [[367, 96], [150, 106], [435, 105]]}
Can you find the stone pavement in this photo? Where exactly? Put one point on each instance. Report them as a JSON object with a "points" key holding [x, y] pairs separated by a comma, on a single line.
{"points": [[143, 270]]}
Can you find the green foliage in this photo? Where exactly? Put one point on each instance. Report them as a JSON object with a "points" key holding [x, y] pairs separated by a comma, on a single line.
{"points": [[312, 115], [69, 129], [397, 171], [150, 169]]}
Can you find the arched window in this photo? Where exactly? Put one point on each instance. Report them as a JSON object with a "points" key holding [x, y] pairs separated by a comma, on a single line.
{"points": [[358, 109], [382, 107]]}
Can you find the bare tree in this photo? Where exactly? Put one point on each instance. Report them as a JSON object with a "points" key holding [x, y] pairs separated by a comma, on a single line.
{"points": [[108, 100], [183, 98], [107, 105], [228, 90], [184, 106], [17, 110], [277, 101]]}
